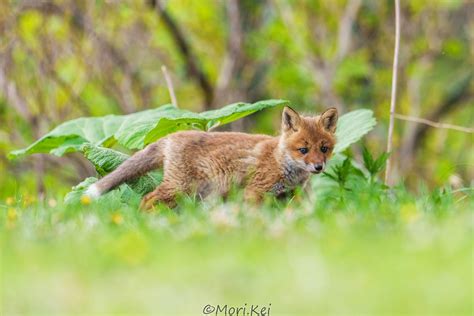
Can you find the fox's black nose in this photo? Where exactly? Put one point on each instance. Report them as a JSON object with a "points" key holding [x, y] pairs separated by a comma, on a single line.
{"points": [[318, 167]]}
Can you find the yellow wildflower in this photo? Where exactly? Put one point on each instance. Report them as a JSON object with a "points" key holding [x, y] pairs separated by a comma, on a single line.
{"points": [[12, 214], [409, 213], [117, 218], [28, 200], [85, 200], [10, 201]]}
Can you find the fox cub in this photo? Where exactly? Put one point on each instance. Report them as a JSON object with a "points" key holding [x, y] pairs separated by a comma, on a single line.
{"points": [[207, 163]]}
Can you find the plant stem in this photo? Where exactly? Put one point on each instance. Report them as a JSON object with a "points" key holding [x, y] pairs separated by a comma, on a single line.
{"points": [[169, 83], [394, 89]]}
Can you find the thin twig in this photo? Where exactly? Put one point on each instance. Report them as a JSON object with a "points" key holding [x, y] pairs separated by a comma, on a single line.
{"points": [[169, 83], [434, 124], [394, 89]]}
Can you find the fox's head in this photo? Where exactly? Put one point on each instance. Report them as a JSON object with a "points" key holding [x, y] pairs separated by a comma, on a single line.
{"points": [[308, 142]]}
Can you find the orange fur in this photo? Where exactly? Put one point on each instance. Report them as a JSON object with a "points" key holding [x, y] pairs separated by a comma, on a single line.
{"points": [[211, 162]]}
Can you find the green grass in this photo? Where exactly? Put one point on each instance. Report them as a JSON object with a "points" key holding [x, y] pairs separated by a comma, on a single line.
{"points": [[355, 253]]}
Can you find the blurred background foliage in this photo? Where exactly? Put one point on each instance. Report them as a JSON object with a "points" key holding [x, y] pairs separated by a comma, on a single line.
{"points": [[65, 59]]}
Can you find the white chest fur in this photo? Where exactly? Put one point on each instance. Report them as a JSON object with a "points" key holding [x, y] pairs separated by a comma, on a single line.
{"points": [[293, 176]]}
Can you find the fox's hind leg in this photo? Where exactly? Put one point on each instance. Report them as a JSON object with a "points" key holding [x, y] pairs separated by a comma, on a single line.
{"points": [[164, 193]]}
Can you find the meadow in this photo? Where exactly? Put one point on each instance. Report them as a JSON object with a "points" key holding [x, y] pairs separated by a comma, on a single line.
{"points": [[85, 84], [360, 251]]}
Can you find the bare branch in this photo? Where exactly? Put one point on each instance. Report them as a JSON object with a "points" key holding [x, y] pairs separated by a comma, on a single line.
{"points": [[345, 28], [454, 101], [286, 12], [434, 124], [394, 89], [184, 47], [81, 23], [233, 57], [9, 89], [323, 70], [46, 64], [416, 133], [169, 83], [14, 99]]}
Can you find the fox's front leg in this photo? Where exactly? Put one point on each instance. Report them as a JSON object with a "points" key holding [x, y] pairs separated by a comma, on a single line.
{"points": [[308, 191], [256, 188], [254, 193], [164, 193]]}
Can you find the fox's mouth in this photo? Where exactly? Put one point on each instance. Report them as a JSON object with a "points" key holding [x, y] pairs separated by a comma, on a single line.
{"points": [[316, 172]]}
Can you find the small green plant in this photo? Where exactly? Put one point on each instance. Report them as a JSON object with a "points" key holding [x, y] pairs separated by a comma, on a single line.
{"points": [[340, 174], [374, 166], [351, 178]]}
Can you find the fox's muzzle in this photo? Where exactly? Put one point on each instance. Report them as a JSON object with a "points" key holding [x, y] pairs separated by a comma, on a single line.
{"points": [[317, 168]]}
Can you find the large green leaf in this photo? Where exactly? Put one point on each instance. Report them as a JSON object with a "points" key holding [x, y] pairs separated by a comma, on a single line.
{"points": [[105, 160], [135, 134], [136, 130], [71, 135], [352, 126], [150, 125]]}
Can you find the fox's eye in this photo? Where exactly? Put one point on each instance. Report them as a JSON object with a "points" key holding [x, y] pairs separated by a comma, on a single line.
{"points": [[324, 149], [303, 150]]}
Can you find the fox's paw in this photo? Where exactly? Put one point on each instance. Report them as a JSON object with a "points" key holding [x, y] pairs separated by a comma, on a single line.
{"points": [[93, 191], [148, 202]]}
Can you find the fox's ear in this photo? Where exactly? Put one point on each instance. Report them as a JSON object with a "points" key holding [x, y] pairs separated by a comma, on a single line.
{"points": [[290, 119], [328, 120]]}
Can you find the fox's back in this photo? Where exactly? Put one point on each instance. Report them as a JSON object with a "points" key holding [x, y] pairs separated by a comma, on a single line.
{"points": [[212, 158], [220, 151], [217, 140]]}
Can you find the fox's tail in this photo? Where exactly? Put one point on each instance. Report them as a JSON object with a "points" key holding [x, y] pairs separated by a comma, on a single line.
{"points": [[140, 163]]}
